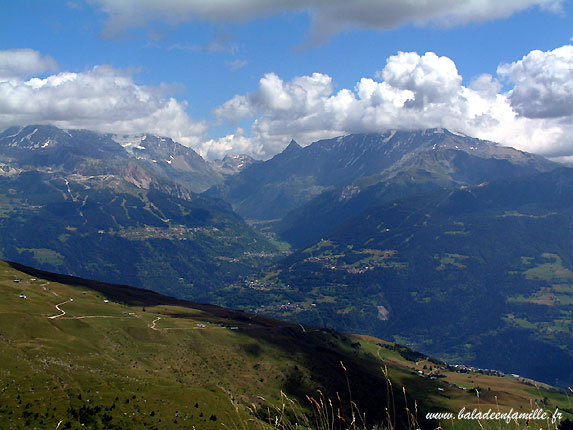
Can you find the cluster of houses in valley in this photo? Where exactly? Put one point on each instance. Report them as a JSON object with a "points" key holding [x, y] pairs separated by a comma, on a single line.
{"points": [[228, 259], [282, 307], [255, 284], [172, 233], [264, 286], [461, 368], [248, 255], [333, 264], [434, 372]]}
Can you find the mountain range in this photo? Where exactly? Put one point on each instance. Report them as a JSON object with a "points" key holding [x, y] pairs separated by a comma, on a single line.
{"points": [[311, 189], [449, 244], [142, 158]]}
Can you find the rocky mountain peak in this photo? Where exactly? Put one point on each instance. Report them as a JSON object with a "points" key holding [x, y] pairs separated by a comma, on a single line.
{"points": [[292, 147]]}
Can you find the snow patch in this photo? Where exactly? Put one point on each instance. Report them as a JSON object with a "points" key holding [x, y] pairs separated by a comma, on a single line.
{"points": [[390, 136], [17, 133], [128, 140], [28, 136]]}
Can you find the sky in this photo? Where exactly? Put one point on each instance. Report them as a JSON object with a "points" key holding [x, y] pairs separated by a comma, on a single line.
{"points": [[247, 76]]}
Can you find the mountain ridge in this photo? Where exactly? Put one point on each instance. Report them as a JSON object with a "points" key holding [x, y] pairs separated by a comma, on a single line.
{"points": [[291, 179], [67, 150]]}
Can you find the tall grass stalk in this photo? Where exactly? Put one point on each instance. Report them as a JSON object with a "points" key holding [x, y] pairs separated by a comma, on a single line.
{"points": [[321, 413]]}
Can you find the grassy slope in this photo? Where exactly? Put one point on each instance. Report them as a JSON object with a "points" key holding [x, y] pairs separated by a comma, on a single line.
{"points": [[143, 360]]}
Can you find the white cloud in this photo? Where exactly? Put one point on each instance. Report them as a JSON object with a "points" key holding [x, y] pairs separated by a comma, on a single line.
{"points": [[430, 78], [413, 91], [486, 85], [236, 143], [102, 99], [543, 83], [329, 16], [301, 96], [21, 63]]}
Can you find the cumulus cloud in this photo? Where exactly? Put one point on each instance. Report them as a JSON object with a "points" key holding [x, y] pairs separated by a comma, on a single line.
{"points": [[329, 16], [102, 99], [430, 78], [301, 96], [415, 91], [235, 143], [543, 83], [22, 63]]}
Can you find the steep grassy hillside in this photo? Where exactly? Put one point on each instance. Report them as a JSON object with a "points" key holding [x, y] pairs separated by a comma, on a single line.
{"points": [[84, 354]]}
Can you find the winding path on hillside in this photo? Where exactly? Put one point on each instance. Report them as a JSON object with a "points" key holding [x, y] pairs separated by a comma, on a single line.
{"points": [[63, 312], [47, 289], [152, 326]]}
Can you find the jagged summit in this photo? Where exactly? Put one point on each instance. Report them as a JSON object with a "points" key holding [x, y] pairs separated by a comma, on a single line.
{"points": [[292, 146], [232, 164]]}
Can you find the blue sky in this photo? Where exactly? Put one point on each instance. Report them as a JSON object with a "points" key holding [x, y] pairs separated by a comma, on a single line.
{"points": [[237, 76]]}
